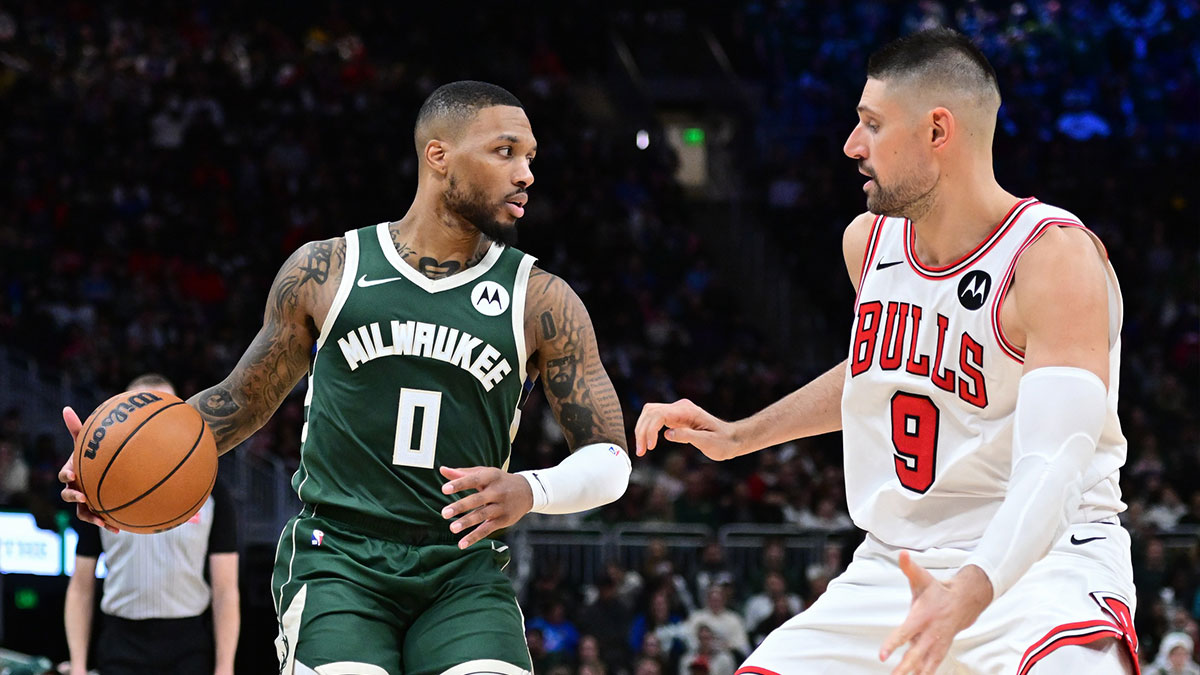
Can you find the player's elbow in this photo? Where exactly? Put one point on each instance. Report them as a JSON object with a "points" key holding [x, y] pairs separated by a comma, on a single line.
{"points": [[615, 482]]}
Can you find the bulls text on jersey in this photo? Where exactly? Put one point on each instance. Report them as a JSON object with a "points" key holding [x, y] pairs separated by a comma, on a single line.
{"points": [[417, 338], [891, 350]]}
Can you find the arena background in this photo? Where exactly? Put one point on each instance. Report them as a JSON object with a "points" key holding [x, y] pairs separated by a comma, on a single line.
{"points": [[161, 159]]}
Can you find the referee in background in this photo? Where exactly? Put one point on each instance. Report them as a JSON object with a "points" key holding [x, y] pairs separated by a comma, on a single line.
{"points": [[156, 594]]}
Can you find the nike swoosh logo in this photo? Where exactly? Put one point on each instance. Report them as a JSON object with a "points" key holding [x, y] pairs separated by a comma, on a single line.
{"points": [[1077, 542], [883, 266], [363, 283]]}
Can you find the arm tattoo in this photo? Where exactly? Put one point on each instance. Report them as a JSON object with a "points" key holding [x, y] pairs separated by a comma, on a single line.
{"points": [[549, 332], [577, 387], [217, 407], [560, 375], [278, 356]]}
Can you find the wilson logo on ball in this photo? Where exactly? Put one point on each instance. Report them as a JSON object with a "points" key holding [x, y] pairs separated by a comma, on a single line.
{"points": [[119, 414]]}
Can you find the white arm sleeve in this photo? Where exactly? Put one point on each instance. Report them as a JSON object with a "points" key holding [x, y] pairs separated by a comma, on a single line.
{"points": [[1059, 416], [592, 476]]}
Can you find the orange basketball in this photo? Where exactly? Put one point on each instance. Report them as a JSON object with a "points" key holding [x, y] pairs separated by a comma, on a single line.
{"points": [[145, 461]]}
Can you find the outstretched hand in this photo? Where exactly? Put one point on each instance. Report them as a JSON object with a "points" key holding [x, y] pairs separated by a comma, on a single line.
{"points": [[66, 475], [939, 611], [686, 422], [501, 500]]}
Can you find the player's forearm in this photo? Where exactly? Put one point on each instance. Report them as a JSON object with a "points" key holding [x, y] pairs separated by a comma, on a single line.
{"points": [[243, 402], [1059, 417], [227, 624], [77, 620], [814, 409], [231, 418]]}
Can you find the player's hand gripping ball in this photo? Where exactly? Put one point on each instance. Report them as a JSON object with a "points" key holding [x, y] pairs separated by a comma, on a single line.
{"points": [[146, 461]]}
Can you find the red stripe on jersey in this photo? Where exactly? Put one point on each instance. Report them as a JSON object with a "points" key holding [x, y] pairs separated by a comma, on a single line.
{"points": [[754, 670], [1071, 634], [1011, 350], [980, 250], [868, 253]]}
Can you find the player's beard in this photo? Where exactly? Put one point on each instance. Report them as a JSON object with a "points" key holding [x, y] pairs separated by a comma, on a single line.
{"points": [[476, 208], [908, 197]]}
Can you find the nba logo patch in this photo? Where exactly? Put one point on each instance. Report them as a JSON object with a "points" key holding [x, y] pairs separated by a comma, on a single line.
{"points": [[318, 537], [614, 450]]}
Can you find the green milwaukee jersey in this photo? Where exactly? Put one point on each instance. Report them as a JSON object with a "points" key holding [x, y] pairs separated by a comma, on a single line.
{"points": [[411, 374]]}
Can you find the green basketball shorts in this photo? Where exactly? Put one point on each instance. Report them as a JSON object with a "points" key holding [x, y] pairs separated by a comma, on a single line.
{"points": [[349, 602]]}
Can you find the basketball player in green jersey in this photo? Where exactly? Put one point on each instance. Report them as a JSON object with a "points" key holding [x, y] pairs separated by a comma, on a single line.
{"points": [[417, 338]]}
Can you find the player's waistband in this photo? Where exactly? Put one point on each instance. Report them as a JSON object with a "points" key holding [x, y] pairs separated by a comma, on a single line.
{"points": [[382, 528], [951, 556]]}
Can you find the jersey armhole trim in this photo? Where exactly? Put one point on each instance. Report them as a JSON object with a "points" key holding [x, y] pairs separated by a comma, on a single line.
{"points": [[520, 290], [348, 273], [869, 252], [1009, 349]]}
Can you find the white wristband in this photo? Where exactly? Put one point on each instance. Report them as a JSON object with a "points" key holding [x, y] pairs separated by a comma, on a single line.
{"points": [[592, 476]]}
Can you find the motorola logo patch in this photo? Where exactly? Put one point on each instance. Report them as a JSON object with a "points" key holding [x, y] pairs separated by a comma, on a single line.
{"points": [[489, 298], [974, 288]]}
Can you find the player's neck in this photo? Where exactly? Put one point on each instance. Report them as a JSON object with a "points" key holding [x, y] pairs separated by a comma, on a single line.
{"points": [[437, 243], [958, 220]]}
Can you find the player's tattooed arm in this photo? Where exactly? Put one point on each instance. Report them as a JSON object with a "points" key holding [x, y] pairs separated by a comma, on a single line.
{"points": [[279, 355], [576, 384]]}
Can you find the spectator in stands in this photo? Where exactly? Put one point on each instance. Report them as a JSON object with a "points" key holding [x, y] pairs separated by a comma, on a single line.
{"points": [[709, 656], [590, 662], [647, 666], [14, 474], [605, 622], [725, 623], [774, 560], [714, 569], [761, 606], [541, 659], [781, 611], [559, 634], [668, 628], [1175, 657]]}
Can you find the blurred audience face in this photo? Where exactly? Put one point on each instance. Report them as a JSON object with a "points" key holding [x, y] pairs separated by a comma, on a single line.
{"points": [[589, 650], [648, 667], [716, 599], [651, 646]]}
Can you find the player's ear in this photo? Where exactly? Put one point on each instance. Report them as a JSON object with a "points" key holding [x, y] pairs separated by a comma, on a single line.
{"points": [[436, 155], [941, 126]]}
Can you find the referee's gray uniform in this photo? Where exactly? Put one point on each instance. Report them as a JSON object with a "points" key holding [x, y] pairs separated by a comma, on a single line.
{"points": [[156, 593]]}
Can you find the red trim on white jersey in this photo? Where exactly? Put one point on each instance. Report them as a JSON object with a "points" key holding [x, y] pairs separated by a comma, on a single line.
{"points": [[754, 670], [980, 250], [1009, 349], [1083, 632], [868, 253]]}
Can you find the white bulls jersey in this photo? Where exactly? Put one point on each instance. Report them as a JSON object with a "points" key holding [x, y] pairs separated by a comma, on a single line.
{"points": [[931, 388]]}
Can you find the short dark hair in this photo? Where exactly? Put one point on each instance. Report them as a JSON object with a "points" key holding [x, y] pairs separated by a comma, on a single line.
{"points": [[936, 54], [150, 381], [459, 101]]}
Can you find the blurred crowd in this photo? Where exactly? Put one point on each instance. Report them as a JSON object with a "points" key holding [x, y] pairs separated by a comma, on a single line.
{"points": [[163, 159]]}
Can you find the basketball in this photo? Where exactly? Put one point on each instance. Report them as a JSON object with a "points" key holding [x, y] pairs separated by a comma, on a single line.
{"points": [[146, 461]]}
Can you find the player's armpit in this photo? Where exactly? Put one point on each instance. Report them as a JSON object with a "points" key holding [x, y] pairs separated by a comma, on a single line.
{"points": [[1060, 295], [565, 352], [279, 354]]}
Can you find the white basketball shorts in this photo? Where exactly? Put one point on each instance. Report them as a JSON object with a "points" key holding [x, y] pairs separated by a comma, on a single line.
{"points": [[1080, 592]]}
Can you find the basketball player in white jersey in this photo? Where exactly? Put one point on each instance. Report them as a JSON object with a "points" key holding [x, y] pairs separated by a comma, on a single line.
{"points": [[978, 407]]}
